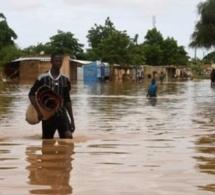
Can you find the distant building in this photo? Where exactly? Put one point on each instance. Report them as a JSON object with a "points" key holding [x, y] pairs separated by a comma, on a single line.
{"points": [[96, 71], [27, 69]]}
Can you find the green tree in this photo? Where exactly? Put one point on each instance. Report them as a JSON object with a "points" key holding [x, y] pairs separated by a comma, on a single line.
{"points": [[113, 46], [182, 57], [169, 51], [153, 54], [204, 32], [35, 50], [152, 47], [7, 35], [8, 54], [8, 49], [196, 68], [172, 54], [209, 58], [98, 33], [163, 52], [136, 54], [65, 42], [153, 37]]}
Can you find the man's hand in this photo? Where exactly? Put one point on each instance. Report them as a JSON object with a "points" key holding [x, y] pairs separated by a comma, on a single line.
{"points": [[68, 135], [72, 127]]}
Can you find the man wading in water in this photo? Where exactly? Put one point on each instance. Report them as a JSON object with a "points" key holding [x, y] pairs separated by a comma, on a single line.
{"points": [[62, 120], [152, 90]]}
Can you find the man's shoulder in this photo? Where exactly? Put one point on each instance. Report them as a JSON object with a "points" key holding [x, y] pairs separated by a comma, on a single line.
{"points": [[64, 76], [42, 75]]}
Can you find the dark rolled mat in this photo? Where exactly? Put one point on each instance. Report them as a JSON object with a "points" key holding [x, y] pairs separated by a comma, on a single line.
{"points": [[48, 102]]}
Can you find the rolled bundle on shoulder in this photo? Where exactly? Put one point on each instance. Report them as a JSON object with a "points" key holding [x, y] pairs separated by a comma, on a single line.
{"points": [[48, 102]]}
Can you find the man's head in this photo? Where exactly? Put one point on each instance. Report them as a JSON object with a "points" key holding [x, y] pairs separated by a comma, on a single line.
{"points": [[153, 81], [56, 60]]}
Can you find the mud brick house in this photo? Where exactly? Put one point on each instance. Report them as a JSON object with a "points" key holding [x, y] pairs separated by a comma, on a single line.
{"points": [[27, 69]]}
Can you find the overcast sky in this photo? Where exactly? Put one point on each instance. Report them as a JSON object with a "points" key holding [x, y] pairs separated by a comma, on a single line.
{"points": [[35, 21]]}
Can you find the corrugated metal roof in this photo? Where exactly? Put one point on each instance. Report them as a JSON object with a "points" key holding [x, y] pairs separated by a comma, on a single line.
{"points": [[46, 59], [80, 61]]}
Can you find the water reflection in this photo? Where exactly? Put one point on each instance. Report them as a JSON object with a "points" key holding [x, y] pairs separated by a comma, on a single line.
{"points": [[5, 99], [50, 167], [206, 158], [152, 101], [6, 156]]}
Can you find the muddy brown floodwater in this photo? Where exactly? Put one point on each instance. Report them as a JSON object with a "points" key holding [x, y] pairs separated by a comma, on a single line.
{"points": [[124, 143]]}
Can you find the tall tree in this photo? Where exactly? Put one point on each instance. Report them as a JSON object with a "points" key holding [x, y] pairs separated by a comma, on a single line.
{"points": [[153, 54], [169, 51], [8, 49], [182, 57], [136, 52], [65, 42], [98, 33], [209, 58], [35, 50], [152, 47], [204, 32], [113, 46], [153, 37], [172, 54], [8, 54], [7, 35], [159, 51]]}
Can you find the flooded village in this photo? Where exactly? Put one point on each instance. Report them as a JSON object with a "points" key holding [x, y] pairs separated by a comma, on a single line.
{"points": [[141, 92], [28, 68], [124, 143]]}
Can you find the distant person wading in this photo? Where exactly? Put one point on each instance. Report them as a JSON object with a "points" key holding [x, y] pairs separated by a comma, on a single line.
{"points": [[152, 90], [212, 77]]}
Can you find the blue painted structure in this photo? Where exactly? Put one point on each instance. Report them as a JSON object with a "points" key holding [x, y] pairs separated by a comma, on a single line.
{"points": [[95, 71]]}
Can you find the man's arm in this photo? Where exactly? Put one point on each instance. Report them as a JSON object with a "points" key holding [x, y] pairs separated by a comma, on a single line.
{"points": [[68, 106]]}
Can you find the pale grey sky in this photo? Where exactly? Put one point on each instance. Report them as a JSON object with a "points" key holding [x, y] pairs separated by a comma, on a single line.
{"points": [[35, 21]]}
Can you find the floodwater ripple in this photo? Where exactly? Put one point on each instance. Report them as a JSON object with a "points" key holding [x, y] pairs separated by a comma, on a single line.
{"points": [[124, 143]]}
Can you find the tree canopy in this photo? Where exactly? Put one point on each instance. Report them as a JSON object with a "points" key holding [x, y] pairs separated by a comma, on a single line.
{"points": [[63, 41], [106, 43], [209, 58], [160, 51], [8, 48], [7, 35], [204, 32], [113, 46]]}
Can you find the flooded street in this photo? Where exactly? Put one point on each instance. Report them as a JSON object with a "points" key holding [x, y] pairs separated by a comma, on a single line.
{"points": [[124, 143]]}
